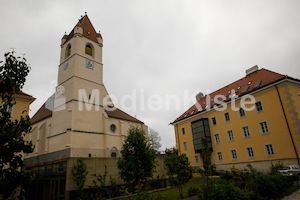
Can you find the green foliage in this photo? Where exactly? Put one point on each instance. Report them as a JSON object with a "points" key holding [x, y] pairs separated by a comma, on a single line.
{"points": [[257, 185], [226, 190], [178, 169], [99, 184], [79, 173], [275, 167], [269, 186], [193, 191], [137, 162], [208, 168], [12, 145], [233, 169]]}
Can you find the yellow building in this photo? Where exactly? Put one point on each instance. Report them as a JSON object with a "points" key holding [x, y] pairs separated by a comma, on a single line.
{"points": [[23, 102], [261, 133]]}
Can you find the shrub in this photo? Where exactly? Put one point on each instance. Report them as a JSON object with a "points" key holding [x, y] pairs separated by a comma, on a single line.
{"points": [[275, 167], [269, 186], [193, 191], [226, 190]]}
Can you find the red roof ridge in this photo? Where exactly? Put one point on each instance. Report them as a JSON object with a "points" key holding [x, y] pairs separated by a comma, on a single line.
{"points": [[119, 114], [88, 30], [264, 75]]}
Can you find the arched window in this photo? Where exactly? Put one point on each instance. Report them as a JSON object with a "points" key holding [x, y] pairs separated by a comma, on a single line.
{"points": [[68, 50], [113, 155], [114, 152], [89, 49]]}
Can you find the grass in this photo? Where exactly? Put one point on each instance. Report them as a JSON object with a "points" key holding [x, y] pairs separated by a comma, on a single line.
{"points": [[173, 193]]}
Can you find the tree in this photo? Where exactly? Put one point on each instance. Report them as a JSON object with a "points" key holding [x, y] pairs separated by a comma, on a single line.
{"points": [[154, 139], [79, 172], [12, 144], [208, 168], [137, 162], [178, 169]]}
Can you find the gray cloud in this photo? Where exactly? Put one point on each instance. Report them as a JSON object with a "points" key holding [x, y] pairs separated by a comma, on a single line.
{"points": [[162, 47]]}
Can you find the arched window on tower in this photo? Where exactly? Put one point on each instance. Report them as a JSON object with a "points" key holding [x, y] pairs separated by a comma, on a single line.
{"points": [[89, 49], [114, 152], [68, 50]]}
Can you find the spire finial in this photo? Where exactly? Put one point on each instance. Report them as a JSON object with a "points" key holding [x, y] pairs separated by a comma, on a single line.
{"points": [[85, 12], [65, 32]]}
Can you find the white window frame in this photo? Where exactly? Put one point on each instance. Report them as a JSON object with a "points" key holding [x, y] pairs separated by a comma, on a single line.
{"points": [[262, 107], [265, 127], [240, 113], [232, 154], [248, 153], [183, 131], [230, 135], [212, 122], [10, 110], [267, 150], [197, 161], [219, 156], [185, 146], [217, 138], [248, 134], [228, 117]]}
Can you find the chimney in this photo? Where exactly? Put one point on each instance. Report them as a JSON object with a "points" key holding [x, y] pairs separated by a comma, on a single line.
{"points": [[251, 70], [199, 96]]}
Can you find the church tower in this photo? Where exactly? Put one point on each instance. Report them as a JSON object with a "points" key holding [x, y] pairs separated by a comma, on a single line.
{"points": [[78, 124], [80, 91]]}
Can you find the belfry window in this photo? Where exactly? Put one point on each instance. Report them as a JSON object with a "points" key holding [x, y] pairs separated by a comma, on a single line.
{"points": [[68, 50], [89, 49]]}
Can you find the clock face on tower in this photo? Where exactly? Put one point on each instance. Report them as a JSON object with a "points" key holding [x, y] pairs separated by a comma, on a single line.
{"points": [[89, 64], [66, 65]]}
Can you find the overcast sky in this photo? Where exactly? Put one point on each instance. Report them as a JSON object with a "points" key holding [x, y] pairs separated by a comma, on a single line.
{"points": [[157, 47]]}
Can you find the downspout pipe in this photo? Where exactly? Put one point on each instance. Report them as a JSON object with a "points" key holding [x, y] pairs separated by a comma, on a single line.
{"points": [[179, 151], [287, 123]]}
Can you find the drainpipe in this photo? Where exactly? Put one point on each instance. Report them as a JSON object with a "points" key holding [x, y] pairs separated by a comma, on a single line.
{"points": [[178, 139], [288, 125]]}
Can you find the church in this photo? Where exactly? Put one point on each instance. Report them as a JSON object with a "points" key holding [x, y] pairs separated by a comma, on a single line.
{"points": [[79, 120]]}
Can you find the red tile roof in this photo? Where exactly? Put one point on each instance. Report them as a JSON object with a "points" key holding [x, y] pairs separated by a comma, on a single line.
{"points": [[41, 114], [119, 114], [265, 76], [44, 113], [88, 30]]}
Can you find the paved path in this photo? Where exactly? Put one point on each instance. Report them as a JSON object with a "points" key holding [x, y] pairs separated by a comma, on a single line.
{"points": [[293, 196]]}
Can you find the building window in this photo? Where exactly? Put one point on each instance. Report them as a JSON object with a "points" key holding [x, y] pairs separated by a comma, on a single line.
{"points": [[242, 112], [113, 155], [183, 131], [10, 110], [250, 152], [214, 121], [68, 50], [184, 146], [89, 49], [197, 159], [227, 117], [219, 155], [230, 135], [233, 154], [217, 138], [269, 149], [264, 127], [258, 106], [113, 128], [246, 131]]}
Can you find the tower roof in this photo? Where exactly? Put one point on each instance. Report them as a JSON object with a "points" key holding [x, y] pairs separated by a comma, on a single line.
{"points": [[88, 30]]}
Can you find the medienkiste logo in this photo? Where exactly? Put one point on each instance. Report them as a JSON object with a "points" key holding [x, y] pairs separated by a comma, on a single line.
{"points": [[138, 100]]}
